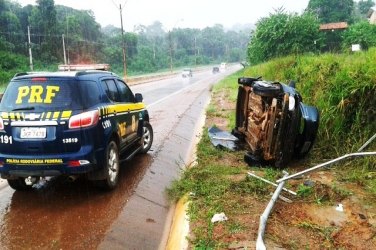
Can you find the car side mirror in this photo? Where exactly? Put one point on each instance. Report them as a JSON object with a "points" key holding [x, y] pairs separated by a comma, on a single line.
{"points": [[139, 97]]}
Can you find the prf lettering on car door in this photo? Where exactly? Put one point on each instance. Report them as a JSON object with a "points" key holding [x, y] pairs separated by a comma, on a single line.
{"points": [[33, 94]]}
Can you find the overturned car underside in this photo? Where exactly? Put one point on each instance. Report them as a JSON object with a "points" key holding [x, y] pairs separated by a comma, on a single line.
{"points": [[273, 121]]}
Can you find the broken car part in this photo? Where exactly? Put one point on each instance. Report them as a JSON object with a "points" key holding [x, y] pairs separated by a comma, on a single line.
{"points": [[223, 139]]}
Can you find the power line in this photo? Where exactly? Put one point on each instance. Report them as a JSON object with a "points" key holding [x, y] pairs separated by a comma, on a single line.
{"points": [[114, 3]]}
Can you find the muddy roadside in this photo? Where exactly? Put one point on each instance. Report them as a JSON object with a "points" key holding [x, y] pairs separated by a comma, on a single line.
{"points": [[332, 210]]}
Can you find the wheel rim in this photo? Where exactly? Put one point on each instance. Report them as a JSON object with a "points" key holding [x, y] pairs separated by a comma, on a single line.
{"points": [[113, 165], [147, 137]]}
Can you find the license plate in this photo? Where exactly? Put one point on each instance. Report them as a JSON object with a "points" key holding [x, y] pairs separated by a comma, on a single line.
{"points": [[33, 133]]}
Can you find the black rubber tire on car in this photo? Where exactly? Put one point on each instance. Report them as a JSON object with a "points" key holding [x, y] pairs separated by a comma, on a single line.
{"points": [[147, 138], [235, 132], [267, 89], [111, 168], [253, 160], [19, 184], [248, 81]]}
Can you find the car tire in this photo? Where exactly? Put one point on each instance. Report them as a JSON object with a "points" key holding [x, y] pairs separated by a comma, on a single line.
{"points": [[267, 89], [111, 168], [147, 138], [235, 132], [19, 184], [252, 160], [248, 81]]}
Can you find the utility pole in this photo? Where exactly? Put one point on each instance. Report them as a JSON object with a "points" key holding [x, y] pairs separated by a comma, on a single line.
{"points": [[195, 52], [171, 45], [170, 41], [30, 54], [123, 43], [65, 56]]}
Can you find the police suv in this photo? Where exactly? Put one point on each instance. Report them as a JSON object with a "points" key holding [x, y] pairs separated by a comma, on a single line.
{"points": [[70, 123]]}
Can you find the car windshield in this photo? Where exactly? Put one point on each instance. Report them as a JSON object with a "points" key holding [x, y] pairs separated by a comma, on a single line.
{"points": [[44, 94]]}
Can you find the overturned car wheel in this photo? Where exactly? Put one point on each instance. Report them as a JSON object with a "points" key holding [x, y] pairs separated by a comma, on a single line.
{"points": [[253, 160], [267, 89]]}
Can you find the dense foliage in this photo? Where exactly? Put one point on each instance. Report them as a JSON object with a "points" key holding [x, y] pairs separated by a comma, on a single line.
{"points": [[364, 6], [148, 48], [282, 34], [331, 11], [362, 33]]}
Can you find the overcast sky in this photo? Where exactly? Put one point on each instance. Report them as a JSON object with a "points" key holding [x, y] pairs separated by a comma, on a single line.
{"points": [[179, 13]]}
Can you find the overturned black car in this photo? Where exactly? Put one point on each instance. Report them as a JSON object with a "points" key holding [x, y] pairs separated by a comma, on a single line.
{"points": [[273, 120]]}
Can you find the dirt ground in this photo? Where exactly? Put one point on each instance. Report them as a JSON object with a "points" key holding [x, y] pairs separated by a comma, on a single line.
{"points": [[315, 221]]}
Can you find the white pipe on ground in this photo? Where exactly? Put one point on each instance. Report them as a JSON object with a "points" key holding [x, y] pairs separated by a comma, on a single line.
{"points": [[264, 217]]}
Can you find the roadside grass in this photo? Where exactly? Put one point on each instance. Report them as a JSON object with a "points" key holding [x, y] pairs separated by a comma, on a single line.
{"points": [[362, 172], [343, 88], [325, 232]]}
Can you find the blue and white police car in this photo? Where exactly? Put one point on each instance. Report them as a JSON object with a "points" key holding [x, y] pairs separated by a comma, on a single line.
{"points": [[72, 123]]}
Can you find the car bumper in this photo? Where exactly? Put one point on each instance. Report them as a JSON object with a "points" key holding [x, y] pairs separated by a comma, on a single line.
{"points": [[50, 165]]}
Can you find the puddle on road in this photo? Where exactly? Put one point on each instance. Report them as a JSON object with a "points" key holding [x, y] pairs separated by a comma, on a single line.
{"points": [[66, 215]]}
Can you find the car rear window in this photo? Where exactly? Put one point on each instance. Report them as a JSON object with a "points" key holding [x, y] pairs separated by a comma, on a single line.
{"points": [[49, 94]]}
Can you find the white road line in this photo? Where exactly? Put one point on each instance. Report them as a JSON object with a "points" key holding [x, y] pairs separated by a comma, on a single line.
{"points": [[175, 93], [179, 91]]}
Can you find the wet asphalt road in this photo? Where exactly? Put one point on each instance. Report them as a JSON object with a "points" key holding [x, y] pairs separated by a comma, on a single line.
{"points": [[75, 215]]}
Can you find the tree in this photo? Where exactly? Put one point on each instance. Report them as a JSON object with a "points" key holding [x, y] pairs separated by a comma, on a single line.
{"points": [[364, 6], [43, 21], [331, 11], [147, 47], [212, 40], [10, 27], [282, 34], [362, 33]]}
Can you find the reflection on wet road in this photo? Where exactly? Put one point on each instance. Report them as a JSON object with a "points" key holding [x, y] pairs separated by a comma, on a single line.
{"points": [[64, 214]]}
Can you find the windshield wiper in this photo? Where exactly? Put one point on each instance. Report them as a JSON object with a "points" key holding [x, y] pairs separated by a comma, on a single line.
{"points": [[23, 108]]}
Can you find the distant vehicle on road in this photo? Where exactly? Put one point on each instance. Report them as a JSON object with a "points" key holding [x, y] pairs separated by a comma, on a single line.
{"points": [[223, 66], [215, 70], [76, 123], [186, 73]]}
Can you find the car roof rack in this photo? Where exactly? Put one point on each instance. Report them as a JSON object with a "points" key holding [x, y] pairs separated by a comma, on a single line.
{"points": [[83, 67], [87, 72]]}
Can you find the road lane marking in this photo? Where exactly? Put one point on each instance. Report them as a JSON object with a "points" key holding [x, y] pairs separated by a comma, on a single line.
{"points": [[175, 93]]}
